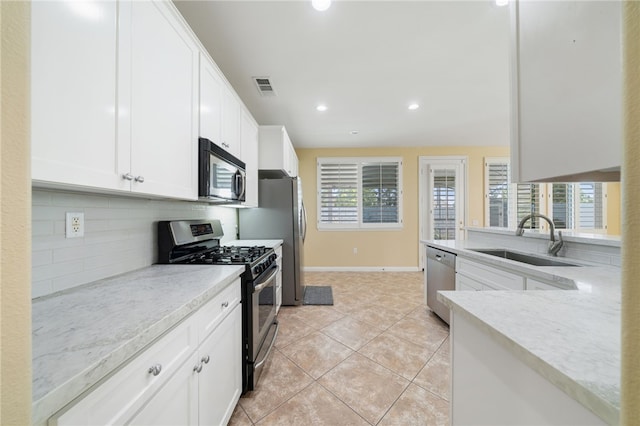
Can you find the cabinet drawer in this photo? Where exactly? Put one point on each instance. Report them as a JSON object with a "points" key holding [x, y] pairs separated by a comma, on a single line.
{"points": [[489, 276], [465, 283], [214, 311], [117, 399]]}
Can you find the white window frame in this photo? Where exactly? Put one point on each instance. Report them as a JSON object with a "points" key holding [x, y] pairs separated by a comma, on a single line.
{"points": [[546, 202], [359, 226]]}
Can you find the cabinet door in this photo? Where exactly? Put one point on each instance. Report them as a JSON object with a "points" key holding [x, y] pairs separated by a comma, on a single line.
{"points": [[73, 94], [210, 101], [220, 380], [249, 154], [176, 403], [567, 93], [164, 101], [465, 283], [230, 121]]}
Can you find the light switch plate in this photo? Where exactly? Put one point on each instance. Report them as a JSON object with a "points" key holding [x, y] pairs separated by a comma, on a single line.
{"points": [[75, 225]]}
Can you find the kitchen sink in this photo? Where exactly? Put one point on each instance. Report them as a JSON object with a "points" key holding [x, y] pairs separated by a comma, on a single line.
{"points": [[524, 258]]}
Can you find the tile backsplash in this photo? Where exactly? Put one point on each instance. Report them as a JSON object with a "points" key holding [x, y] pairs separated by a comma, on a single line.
{"points": [[120, 235]]}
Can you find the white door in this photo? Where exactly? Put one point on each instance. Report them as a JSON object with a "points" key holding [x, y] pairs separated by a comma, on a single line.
{"points": [[442, 199]]}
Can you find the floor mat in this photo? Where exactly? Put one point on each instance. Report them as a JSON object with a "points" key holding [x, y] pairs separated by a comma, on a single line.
{"points": [[318, 295]]}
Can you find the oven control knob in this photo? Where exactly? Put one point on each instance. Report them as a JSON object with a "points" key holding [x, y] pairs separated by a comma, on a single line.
{"points": [[258, 269]]}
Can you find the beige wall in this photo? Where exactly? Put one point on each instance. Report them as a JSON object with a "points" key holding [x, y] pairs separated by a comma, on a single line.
{"points": [[15, 218], [396, 248], [399, 248]]}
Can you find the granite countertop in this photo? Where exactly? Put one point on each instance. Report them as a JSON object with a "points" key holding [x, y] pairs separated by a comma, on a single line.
{"points": [[82, 335], [570, 337]]}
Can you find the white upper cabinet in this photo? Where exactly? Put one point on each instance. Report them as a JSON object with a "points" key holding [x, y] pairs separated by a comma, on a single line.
{"points": [[249, 154], [276, 151], [73, 94], [114, 97], [230, 121], [210, 101], [164, 101], [566, 90]]}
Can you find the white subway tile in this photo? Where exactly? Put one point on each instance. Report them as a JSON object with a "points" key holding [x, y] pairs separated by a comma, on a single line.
{"points": [[41, 227], [41, 288], [41, 257], [55, 270]]}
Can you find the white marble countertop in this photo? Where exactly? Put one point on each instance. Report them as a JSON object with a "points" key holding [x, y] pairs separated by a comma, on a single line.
{"points": [[266, 243], [80, 336], [570, 337]]}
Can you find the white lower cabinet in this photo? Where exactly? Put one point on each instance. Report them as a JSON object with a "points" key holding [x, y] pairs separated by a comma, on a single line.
{"points": [[478, 276], [190, 376], [492, 386], [220, 380], [176, 403]]}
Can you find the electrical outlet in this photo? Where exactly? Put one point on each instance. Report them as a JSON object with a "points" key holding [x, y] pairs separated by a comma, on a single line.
{"points": [[75, 225], [355, 250]]}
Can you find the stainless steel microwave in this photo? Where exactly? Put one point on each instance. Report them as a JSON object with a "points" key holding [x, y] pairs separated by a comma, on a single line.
{"points": [[222, 176]]}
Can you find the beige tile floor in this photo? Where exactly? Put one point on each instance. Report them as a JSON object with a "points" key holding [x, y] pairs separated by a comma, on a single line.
{"points": [[378, 356]]}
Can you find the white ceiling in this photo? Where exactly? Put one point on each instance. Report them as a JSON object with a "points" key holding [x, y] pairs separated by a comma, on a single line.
{"points": [[367, 61]]}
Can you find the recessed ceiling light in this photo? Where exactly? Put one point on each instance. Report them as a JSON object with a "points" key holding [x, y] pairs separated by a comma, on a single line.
{"points": [[414, 106], [321, 5], [321, 107], [502, 2], [354, 132]]}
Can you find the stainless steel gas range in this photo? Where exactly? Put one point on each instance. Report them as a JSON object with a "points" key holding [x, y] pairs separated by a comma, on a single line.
{"points": [[198, 242]]}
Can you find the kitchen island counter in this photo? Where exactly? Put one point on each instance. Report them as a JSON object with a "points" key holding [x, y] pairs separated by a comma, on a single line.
{"points": [[82, 335], [569, 337]]}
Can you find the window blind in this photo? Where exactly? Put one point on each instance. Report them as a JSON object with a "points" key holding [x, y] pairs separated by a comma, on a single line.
{"points": [[338, 193], [591, 205], [527, 202], [497, 193], [562, 205], [380, 193], [444, 204], [359, 192]]}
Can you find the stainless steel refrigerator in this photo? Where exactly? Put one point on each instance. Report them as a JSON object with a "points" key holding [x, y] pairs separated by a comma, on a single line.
{"points": [[281, 215]]}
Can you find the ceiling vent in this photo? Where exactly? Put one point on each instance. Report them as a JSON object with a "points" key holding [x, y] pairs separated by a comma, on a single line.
{"points": [[264, 86]]}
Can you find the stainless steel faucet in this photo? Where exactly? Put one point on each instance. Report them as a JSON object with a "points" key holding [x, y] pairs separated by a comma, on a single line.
{"points": [[554, 246]]}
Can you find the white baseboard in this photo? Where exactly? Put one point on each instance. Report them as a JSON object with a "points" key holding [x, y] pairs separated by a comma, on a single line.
{"points": [[361, 269]]}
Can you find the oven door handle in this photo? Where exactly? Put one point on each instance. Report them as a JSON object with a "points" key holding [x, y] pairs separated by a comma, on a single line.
{"points": [[273, 341], [264, 283]]}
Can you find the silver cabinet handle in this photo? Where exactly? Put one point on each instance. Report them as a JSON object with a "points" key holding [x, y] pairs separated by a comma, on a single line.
{"points": [[205, 359], [198, 368], [155, 369], [139, 179], [225, 304], [127, 176]]}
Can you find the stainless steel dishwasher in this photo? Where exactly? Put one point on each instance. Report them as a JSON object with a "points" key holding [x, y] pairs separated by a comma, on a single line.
{"points": [[441, 275]]}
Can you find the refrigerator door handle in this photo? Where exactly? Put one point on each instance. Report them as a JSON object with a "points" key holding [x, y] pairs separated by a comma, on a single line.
{"points": [[304, 222]]}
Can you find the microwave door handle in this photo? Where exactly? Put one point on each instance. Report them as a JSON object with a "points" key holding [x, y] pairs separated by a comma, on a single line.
{"points": [[243, 184], [238, 184]]}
